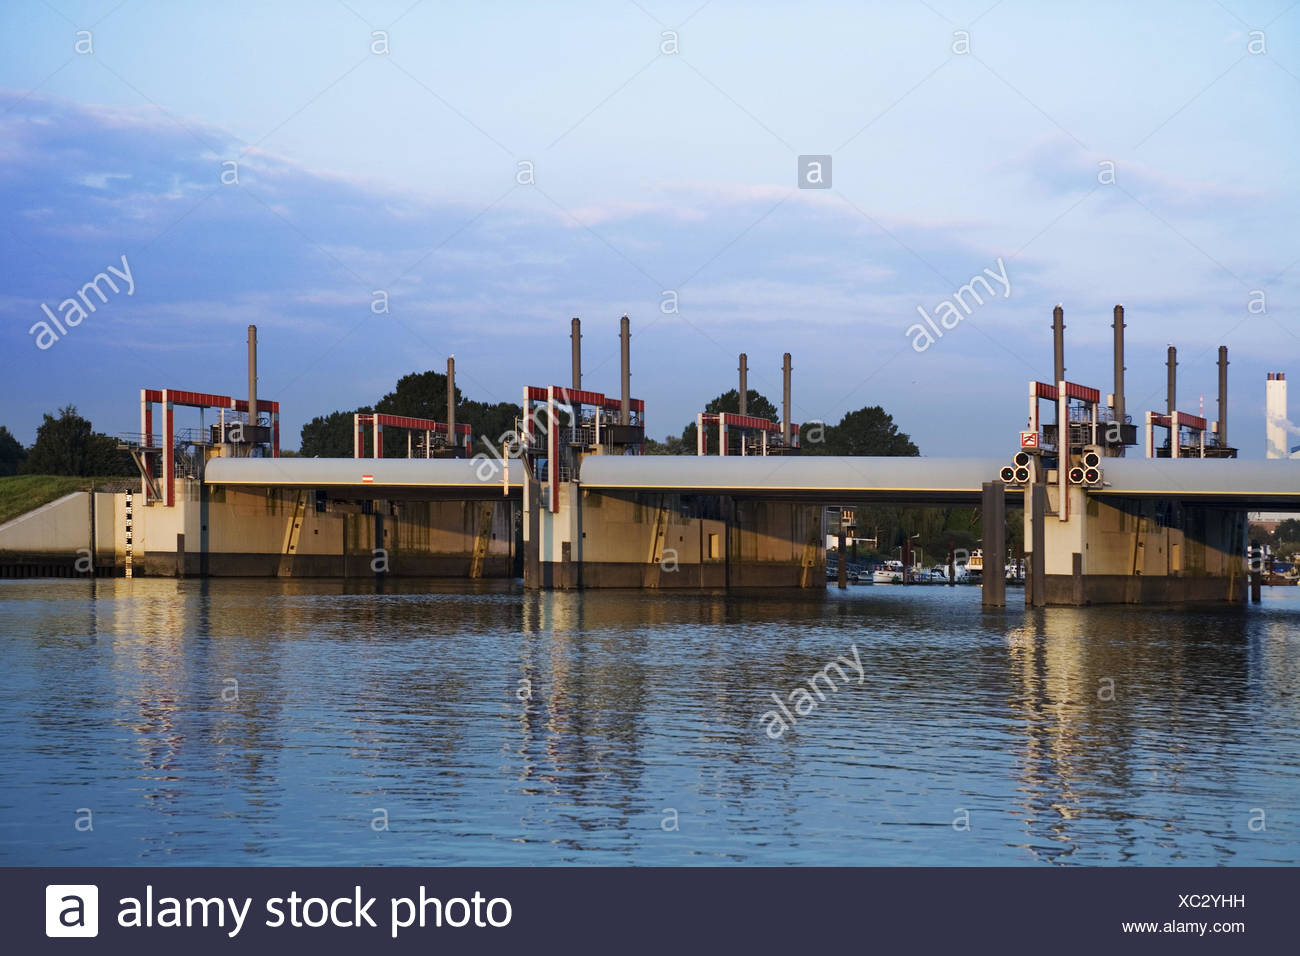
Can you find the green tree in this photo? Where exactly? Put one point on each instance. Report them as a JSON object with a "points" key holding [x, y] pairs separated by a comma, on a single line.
{"points": [[1286, 538], [329, 436], [68, 445], [1288, 530], [424, 395], [490, 421], [867, 431], [417, 395], [12, 453], [672, 445], [756, 405]]}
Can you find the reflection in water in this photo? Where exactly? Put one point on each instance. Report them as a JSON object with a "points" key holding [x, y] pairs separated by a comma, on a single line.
{"points": [[1118, 713], [228, 721]]}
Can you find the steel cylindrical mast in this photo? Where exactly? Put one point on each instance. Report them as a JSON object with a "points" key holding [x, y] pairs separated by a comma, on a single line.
{"points": [[1223, 396], [575, 337], [252, 375], [744, 384], [1118, 326], [785, 400], [1171, 400], [451, 403], [1058, 342], [625, 339]]}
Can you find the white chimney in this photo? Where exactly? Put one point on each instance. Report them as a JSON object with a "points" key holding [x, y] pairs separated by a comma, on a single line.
{"points": [[1275, 418]]}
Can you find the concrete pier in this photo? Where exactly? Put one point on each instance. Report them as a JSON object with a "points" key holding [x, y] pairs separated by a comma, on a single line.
{"points": [[1117, 550], [659, 540]]}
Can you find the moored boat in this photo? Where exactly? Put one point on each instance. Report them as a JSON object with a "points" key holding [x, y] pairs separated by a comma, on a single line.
{"points": [[891, 572]]}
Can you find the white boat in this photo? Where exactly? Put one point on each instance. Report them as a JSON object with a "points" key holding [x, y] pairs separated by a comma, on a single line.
{"points": [[891, 572], [975, 565]]}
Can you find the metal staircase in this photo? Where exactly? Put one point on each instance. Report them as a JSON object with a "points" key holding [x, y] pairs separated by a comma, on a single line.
{"points": [[481, 539], [291, 535]]}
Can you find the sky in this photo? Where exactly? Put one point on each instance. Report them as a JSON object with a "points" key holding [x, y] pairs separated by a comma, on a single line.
{"points": [[377, 186]]}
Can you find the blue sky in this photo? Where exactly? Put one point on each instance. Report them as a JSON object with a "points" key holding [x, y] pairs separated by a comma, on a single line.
{"points": [[653, 171]]}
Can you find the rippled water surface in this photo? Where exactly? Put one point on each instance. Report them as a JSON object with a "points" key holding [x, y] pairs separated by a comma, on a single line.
{"points": [[233, 722]]}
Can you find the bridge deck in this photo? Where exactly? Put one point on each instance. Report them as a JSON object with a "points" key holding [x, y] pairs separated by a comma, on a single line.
{"points": [[909, 480], [451, 478], [1270, 484], [1227, 482]]}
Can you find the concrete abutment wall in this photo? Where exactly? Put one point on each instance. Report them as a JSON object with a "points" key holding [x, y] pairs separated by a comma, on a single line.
{"points": [[247, 532]]}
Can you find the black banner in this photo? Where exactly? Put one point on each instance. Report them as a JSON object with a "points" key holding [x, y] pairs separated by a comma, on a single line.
{"points": [[190, 910]]}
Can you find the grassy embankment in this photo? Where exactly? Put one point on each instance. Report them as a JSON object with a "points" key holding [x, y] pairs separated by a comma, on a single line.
{"points": [[20, 494]]}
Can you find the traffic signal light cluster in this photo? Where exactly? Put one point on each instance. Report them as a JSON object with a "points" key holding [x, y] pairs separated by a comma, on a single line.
{"points": [[1018, 472], [1088, 471]]}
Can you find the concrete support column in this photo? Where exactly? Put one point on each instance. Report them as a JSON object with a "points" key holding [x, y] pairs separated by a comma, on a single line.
{"points": [[168, 452], [995, 544], [1036, 580], [1063, 451], [844, 568], [146, 441]]}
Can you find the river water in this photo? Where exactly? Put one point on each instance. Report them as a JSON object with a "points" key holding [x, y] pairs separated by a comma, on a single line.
{"points": [[320, 722]]}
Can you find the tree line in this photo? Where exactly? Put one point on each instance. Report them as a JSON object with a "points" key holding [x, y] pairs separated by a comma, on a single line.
{"points": [[417, 395], [65, 445]]}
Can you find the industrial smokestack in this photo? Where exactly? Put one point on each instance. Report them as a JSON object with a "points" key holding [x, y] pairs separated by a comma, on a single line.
{"points": [[625, 339], [1275, 418], [1058, 342], [1118, 326], [1223, 396], [575, 337], [785, 400], [451, 403], [252, 375], [744, 384], [1171, 401]]}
